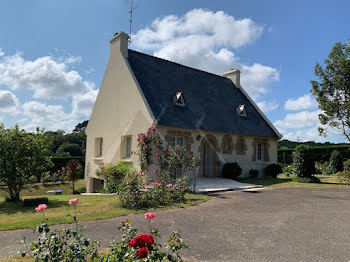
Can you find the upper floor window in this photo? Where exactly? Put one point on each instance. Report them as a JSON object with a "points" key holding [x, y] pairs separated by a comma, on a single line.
{"points": [[241, 110], [178, 141], [179, 99], [98, 147]]}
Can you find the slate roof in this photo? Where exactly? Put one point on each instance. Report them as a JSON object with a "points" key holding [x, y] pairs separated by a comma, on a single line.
{"points": [[211, 99]]}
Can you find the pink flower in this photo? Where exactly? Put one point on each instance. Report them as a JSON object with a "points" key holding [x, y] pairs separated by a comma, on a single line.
{"points": [[150, 216], [177, 145], [153, 128], [157, 154], [169, 185], [40, 208], [155, 171], [138, 174], [73, 201], [63, 169]]}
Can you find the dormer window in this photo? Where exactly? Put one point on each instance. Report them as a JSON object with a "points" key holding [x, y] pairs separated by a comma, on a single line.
{"points": [[179, 99], [241, 110]]}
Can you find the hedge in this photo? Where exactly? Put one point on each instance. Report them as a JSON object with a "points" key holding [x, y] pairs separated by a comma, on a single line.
{"points": [[59, 162], [319, 153]]}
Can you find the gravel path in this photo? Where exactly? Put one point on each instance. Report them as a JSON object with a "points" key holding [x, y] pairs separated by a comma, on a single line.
{"points": [[286, 224]]}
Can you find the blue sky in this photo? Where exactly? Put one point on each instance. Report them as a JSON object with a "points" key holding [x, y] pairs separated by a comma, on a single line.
{"points": [[53, 53]]}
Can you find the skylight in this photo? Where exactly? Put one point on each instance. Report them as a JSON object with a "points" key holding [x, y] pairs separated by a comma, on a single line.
{"points": [[241, 110], [179, 99]]}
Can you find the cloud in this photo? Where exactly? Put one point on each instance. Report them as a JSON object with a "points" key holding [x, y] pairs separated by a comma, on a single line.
{"points": [[204, 39], [1, 52], [301, 103], [299, 120], [46, 77], [8, 101], [83, 104], [267, 106]]}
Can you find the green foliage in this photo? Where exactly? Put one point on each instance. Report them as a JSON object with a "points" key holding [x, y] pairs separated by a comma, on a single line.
{"points": [[80, 128], [22, 155], [311, 179], [332, 91], [115, 175], [231, 170], [344, 177], [272, 170], [71, 149], [288, 170], [62, 161], [322, 168], [336, 162], [253, 173], [303, 163], [73, 171], [139, 194], [347, 165]]}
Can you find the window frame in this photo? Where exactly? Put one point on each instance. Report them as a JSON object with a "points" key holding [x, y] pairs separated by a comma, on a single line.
{"points": [[127, 151], [174, 142], [179, 96], [98, 147], [260, 147]]}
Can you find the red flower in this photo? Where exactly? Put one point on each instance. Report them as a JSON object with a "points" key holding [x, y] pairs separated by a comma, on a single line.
{"points": [[153, 128], [155, 171], [142, 240], [142, 253], [138, 174], [157, 154], [157, 181]]}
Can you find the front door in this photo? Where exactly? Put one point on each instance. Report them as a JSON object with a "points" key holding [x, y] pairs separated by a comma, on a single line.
{"points": [[208, 163]]}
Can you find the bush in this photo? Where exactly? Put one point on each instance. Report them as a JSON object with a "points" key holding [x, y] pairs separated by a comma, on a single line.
{"points": [[253, 173], [346, 165], [70, 148], [115, 175], [288, 170], [311, 179], [344, 177], [272, 170], [231, 170], [322, 168], [302, 162], [336, 162]]}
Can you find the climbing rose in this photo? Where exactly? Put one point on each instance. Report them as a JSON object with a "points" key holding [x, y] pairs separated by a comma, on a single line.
{"points": [[153, 128], [157, 180], [138, 174], [150, 216], [155, 171], [73, 201], [40, 208], [142, 253], [157, 154]]}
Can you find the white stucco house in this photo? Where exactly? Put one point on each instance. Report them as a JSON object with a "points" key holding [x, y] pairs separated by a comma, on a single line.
{"points": [[210, 115]]}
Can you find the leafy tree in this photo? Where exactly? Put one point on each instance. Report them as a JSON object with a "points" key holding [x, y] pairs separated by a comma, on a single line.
{"points": [[336, 162], [22, 155], [80, 128], [72, 149], [57, 139], [333, 89], [303, 163], [73, 171]]}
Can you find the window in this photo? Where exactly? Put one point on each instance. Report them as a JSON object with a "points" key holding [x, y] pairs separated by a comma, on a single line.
{"points": [[260, 152], [127, 147], [240, 145], [241, 110], [178, 141], [98, 147], [179, 99]]}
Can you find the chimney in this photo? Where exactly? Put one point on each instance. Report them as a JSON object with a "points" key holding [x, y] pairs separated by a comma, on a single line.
{"points": [[234, 75], [119, 43]]}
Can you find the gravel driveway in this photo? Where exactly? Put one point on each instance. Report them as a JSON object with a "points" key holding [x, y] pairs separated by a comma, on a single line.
{"points": [[286, 224]]}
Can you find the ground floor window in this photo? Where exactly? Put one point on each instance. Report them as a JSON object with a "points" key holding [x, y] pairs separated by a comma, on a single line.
{"points": [[127, 146], [260, 152], [178, 141], [98, 147]]}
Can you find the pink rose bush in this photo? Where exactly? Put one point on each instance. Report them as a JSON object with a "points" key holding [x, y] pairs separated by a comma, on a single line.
{"points": [[73, 201], [41, 207]]}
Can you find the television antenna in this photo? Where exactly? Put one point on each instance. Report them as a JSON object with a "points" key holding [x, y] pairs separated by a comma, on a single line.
{"points": [[131, 13]]}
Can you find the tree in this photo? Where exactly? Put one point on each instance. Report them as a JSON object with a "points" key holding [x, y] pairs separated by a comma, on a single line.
{"points": [[72, 149], [303, 163], [80, 128], [73, 171], [22, 155], [336, 162], [333, 90]]}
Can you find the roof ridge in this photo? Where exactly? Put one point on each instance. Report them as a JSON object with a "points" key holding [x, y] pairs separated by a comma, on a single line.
{"points": [[166, 60]]}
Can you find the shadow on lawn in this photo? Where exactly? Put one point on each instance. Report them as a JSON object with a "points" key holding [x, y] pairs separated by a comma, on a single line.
{"points": [[12, 208]]}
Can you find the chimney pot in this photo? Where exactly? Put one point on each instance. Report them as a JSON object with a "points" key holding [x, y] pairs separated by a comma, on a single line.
{"points": [[234, 75]]}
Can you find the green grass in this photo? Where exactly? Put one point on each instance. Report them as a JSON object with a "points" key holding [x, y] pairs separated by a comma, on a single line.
{"points": [[95, 207], [283, 181]]}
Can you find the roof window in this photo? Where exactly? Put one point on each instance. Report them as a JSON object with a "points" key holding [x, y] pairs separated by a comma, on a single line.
{"points": [[241, 110], [179, 99]]}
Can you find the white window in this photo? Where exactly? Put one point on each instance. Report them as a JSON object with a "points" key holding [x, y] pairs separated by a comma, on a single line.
{"points": [[98, 147], [241, 110], [127, 147], [260, 152], [179, 99], [178, 141]]}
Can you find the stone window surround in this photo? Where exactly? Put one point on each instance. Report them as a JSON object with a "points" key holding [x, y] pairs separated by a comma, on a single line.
{"points": [[179, 133], [245, 148], [228, 139], [266, 149]]}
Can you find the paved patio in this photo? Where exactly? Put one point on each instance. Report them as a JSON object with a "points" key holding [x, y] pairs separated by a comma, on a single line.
{"points": [[217, 184]]}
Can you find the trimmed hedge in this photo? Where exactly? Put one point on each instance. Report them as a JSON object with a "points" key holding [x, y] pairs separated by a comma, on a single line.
{"points": [[59, 162], [319, 154], [33, 202]]}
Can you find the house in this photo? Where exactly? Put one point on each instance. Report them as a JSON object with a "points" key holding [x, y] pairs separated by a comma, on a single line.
{"points": [[210, 115]]}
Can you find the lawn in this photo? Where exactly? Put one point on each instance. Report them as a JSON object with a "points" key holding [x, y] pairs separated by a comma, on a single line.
{"points": [[283, 181], [92, 207]]}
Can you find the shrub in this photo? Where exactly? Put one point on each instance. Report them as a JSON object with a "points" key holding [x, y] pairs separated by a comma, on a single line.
{"points": [[344, 177], [311, 179], [253, 173], [73, 171], [288, 170], [302, 162], [336, 162], [272, 170], [115, 175], [71, 244], [323, 168], [231, 170], [346, 165]]}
